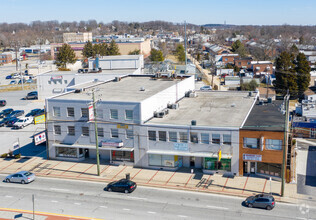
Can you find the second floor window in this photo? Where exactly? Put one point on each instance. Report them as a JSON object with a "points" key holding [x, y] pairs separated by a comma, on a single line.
{"points": [[114, 133], [84, 112], [70, 112], [85, 131], [129, 114], [56, 111], [173, 136], [162, 135], [216, 138], [251, 143], [152, 135], [183, 137], [114, 114], [227, 139], [273, 144], [205, 138], [71, 130], [194, 137], [100, 132], [129, 134], [57, 129]]}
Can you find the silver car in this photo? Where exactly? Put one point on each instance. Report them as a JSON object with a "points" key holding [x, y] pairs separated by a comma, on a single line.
{"points": [[21, 177]]}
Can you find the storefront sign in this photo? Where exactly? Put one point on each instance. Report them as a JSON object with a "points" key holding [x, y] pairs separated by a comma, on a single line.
{"points": [[111, 143], [122, 126], [16, 145], [56, 77], [39, 119], [253, 157], [181, 146], [91, 113], [40, 138]]}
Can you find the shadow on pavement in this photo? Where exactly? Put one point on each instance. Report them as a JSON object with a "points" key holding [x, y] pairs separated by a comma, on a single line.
{"points": [[31, 150]]}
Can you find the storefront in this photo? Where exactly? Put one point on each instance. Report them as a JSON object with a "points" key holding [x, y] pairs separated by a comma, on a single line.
{"points": [[122, 156], [212, 163], [254, 165], [164, 160]]}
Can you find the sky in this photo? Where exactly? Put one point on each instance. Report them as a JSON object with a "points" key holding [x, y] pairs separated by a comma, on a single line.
{"points": [[238, 12]]}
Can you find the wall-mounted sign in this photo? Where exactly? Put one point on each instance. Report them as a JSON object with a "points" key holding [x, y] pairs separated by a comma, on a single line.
{"points": [[56, 77], [111, 142], [253, 157], [39, 119], [40, 138], [181, 146], [91, 113], [122, 126]]}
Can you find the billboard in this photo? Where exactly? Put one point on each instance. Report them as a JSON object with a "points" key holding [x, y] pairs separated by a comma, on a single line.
{"points": [[40, 138], [39, 119]]}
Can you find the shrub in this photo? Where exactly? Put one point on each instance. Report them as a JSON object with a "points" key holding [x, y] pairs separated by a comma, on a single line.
{"points": [[17, 156], [4, 155]]}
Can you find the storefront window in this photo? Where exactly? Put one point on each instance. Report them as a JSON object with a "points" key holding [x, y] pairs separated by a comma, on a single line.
{"points": [[162, 160], [269, 169], [211, 163], [273, 144], [66, 152], [251, 143], [123, 156]]}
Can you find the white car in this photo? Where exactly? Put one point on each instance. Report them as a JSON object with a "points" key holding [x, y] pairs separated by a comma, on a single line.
{"points": [[22, 122], [206, 88]]}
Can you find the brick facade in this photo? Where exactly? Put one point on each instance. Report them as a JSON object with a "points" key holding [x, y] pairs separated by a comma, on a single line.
{"points": [[5, 58]]}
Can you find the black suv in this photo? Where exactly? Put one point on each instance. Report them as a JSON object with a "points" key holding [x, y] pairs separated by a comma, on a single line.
{"points": [[33, 112], [122, 185], [264, 201], [16, 113], [3, 103], [31, 95], [5, 112]]}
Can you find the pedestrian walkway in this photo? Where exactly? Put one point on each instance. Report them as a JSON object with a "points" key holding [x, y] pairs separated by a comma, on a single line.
{"points": [[182, 179], [7, 214]]}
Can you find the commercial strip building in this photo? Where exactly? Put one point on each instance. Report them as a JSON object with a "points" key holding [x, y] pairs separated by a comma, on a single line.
{"points": [[77, 37], [150, 122], [262, 140]]}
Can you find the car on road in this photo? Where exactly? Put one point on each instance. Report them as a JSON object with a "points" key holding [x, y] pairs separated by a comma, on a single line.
{"points": [[5, 112], [264, 201], [33, 112], [10, 122], [22, 122], [13, 82], [20, 177], [206, 88], [31, 95], [123, 185], [16, 113], [3, 103]]}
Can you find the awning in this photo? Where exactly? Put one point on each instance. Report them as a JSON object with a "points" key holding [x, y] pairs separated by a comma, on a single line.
{"points": [[93, 147], [189, 154]]}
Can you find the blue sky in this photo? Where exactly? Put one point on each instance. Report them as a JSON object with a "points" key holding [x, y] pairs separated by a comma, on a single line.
{"points": [[256, 12]]}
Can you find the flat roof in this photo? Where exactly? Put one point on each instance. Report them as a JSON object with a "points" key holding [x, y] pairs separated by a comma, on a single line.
{"points": [[266, 117], [114, 72], [210, 108], [128, 89]]}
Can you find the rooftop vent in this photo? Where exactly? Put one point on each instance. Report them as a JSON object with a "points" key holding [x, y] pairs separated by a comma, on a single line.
{"points": [[117, 79], [233, 105], [193, 122], [77, 91], [142, 88]]}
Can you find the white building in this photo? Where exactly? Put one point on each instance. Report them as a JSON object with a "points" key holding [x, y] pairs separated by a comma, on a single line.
{"points": [[77, 37]]}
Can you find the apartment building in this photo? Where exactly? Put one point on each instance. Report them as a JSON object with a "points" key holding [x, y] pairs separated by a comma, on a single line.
{"points": [[262, 67], [77, 37], [5, 58]]}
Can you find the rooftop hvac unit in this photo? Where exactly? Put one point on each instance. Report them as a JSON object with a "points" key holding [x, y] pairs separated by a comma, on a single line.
{"points": [[187, 94], [117, 79], [193, 122], [193, 95]]}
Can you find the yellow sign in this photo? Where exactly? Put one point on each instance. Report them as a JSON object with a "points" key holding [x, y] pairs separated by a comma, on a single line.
{"points": [[39, 119], [122, 126], [219, 155]]}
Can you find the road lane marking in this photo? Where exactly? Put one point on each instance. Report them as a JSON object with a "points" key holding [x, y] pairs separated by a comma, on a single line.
{"points": [[138, 198], [126, 209], [56, 189], [182, 216], [8, 196], [102, 206], [77, 203], [54, 201], [216, 207], [151, 212]]}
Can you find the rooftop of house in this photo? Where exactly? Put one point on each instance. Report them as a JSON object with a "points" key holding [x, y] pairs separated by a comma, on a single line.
{"points": [[212, 108], [127, 89], [261, 62], [108, 72], [266, 117]]}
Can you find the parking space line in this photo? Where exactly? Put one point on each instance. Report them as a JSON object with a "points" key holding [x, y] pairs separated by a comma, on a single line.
{"points": [[86, 170], [104, 169], [68, 169], [170, 178], [7, 166], [245, 185], [152, 177], [31, 160], [136, 174], [225, 184], [264, 186], [119, 173], [52, 168], [188, 180], [38, 167]]}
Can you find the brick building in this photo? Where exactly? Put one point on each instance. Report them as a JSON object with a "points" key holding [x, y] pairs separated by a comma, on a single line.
{"points": [[229, 58], [261, 141], [262, 67], [243, 63], [5, 58]]}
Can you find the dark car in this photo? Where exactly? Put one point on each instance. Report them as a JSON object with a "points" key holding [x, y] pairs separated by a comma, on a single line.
{"points": [[10, 122], [9, 77], [4, 121], [16, 113], [5, 112], [40, 112], [3, 102], [264, 201], [123, 185], [31, 95], [33, 112]]}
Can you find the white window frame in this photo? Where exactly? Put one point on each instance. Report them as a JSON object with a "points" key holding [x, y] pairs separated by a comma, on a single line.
{"points": [[85, 131], [114, 131], [112, 115], [56, 111], [69, 109], [57, 129], [71, 128], [129, 114]]}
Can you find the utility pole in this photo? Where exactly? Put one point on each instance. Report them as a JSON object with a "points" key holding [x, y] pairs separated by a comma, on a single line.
{"points": [[185, 44], [96, 134], [286, 106]]}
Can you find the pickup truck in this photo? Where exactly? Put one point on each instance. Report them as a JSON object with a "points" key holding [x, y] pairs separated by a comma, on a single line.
{"points": [[22, 122]]}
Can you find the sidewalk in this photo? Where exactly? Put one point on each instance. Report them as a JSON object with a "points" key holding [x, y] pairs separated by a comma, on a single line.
{"points": [[237, 186], [7, 214]]}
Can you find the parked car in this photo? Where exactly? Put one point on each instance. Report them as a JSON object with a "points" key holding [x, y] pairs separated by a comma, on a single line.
{"points": [[16, 113], [10, 122], [41, 112], [264, 201], [5, 112], [29, 81], [33, 112], [8, 77], [20, 81], [3, 103], [21, 177], [123, 185], [4, 121], [22, 122], [13, 82], [16, 76], [206, 88], [31, 95]]}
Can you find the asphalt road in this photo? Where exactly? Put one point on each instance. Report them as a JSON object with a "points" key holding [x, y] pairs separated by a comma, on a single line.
{"points": [[89, 199]]}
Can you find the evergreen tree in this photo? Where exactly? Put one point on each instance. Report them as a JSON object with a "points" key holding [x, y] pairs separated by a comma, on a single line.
{"points": [[88, 50], [103, 49], [113, 49], [134, 52], [156, 55], [96, 48], [180, 53], [303, 74], [238, 47], [65, 55]]}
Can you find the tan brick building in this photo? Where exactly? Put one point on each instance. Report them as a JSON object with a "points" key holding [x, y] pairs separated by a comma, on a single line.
{"points": [[243, 63], [262, 67], [5, 58]]}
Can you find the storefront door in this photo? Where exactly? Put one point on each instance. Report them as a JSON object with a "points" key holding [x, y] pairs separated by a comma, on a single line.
{"points": [[192, 161], [252, 167]]}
